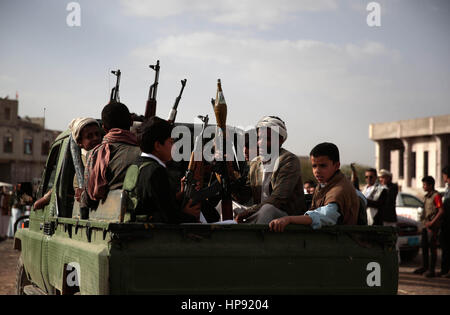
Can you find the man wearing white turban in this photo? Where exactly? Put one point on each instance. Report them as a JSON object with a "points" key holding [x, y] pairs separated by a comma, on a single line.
{"points": [[87, 134], [274, 179]]}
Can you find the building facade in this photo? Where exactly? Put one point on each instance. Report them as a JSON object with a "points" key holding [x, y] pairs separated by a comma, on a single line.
{"points": [[24, 144], [412, 149]]}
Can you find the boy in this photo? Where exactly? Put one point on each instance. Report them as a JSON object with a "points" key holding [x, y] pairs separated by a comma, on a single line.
{"points": [[156, 197], [431, 219], [334, 202]]}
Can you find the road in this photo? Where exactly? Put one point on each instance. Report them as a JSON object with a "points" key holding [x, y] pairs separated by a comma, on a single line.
{"points": [[409, 283]]}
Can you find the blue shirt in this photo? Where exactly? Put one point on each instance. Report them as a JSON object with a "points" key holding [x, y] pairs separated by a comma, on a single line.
{"points": [[324, 216]]}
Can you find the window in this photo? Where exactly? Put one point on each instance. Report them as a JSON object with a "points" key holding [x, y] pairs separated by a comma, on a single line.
{"points": [[7, 113], [50, 171], [28, 146], [411, 201], [401, 172], [413, 164], [45, 147], [425, 163], [8, 144]]}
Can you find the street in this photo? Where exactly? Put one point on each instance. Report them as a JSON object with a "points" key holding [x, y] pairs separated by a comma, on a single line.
{"points": [[409, 283]]}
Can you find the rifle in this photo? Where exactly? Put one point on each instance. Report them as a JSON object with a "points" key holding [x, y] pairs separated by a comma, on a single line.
{"points": [[115, 90], [354, 178], [173, 112], [150, 108], [195, 173], [223, 167]]}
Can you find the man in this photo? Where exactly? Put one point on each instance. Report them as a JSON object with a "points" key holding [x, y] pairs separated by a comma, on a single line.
{"points": [[87, 134], [445, 226], [156, 198], [389, 211], [107, 165], [5, 212], [274, 179], [334, 202], [431, 219], [376, 198], [309, 188]]}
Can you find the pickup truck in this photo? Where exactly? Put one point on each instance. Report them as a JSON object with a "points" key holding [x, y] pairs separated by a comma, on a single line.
{"points": [[109, 254]]}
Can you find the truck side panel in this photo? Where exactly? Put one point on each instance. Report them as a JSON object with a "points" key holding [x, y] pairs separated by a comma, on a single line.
{"points": [[91, 259], [251, 260]]}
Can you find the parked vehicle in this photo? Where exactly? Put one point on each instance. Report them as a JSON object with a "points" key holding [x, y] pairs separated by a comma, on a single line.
{"points": [[409, 209], [409, 237], [110, 254], [409, 206]]}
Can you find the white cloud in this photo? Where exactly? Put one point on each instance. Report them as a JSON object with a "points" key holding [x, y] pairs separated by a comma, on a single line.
{"points": [[307, 83], [260, 13]]}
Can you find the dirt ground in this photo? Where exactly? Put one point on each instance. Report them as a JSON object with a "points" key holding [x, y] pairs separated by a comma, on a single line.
{"points": [[409, 283], [8, 263]]}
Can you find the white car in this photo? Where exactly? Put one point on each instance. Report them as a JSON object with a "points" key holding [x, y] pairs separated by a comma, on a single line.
{"points": [[409, 209], [409, 206]]}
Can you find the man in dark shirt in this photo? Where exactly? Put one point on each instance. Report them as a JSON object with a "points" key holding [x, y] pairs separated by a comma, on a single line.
{"points": [[107, 164], [389, 212]]}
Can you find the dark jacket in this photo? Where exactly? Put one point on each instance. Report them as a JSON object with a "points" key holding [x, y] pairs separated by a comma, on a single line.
{"points": [[157, 196], [389, 212], [121, 157], [338, 190], [286, 185]]}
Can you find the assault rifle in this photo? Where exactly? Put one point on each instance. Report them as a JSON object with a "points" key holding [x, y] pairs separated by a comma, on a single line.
{"points": [[150, 108], [115, 90], [173, 112], [195, 172]]}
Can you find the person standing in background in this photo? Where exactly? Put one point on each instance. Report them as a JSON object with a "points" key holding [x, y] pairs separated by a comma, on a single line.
{"points": [[445, 227], [389, 211], [376, 198], [5, 213], [431, 219]]}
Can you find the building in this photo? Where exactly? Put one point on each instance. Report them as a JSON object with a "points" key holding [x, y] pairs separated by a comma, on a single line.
{"points": [[412, 149], [24, 144]]}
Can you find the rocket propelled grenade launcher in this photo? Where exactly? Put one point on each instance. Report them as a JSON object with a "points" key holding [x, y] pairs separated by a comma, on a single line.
{"points": [[115, 90], [173, 112], [150, 108], [220, 111]]}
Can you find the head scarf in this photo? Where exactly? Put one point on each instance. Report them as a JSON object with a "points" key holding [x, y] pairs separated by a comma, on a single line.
{"points": [[384, 172], [78, 124], [274, 123]]}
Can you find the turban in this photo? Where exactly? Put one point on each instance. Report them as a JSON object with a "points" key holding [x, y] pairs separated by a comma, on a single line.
{"points": [[384, 172], [274, 123], [78, 124]]}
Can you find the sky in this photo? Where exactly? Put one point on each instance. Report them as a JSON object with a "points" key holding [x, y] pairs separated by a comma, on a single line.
{"points": [[316, 64]]}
